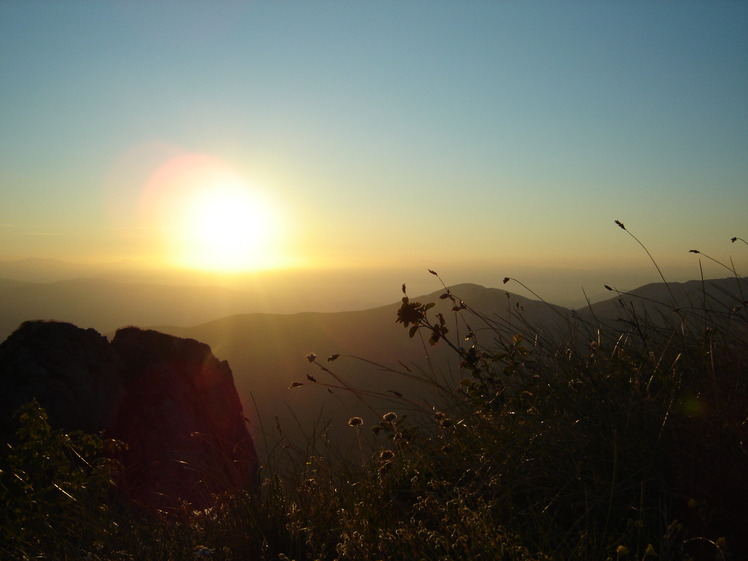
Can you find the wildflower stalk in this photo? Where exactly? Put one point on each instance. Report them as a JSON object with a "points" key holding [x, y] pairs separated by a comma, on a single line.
{"points": [[664, 280]]}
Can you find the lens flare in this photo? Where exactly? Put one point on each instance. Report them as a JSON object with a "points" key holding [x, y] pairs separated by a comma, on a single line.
{"points": [[206, 216]]}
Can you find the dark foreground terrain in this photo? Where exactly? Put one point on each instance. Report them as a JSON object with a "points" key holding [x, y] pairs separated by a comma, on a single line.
{"points": [[617, 433]]}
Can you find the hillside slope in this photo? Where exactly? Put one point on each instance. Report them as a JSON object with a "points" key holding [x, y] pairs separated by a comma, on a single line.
{"points": [[267, 353]]}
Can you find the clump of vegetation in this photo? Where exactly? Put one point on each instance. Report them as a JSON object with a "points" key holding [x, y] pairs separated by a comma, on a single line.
{"points": [[59, 502], [616, 440], [54, 489]]}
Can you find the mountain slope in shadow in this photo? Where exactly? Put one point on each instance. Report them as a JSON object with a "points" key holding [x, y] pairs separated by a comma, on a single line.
{"points": [[665, 303], [267, 351], [267, 354]]}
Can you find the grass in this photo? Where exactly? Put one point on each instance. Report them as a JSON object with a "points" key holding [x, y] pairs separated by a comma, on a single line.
{"points": [[615, 441]]}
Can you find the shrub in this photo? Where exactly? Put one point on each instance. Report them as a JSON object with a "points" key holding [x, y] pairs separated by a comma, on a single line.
{"points": [[55, 490]]}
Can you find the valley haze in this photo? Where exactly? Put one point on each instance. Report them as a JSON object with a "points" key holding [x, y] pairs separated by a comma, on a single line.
{"points": [[107, 296]]}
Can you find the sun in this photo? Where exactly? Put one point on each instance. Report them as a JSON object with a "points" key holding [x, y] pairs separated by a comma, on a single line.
{"points": [[226, 228], [210, 218]]}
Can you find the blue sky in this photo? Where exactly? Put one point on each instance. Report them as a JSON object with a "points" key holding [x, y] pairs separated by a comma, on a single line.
{"points": [[444, 134]]}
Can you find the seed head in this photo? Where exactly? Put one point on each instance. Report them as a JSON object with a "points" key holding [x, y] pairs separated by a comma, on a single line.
{"points": [[386, 455]]}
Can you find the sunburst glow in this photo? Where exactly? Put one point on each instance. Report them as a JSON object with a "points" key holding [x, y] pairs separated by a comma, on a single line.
{"points": [[212, 219], [226, 229]]}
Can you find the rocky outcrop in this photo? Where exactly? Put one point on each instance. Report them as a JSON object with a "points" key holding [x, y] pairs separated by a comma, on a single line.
{"points": [[170, 399], [182, 419], [72, 372]]}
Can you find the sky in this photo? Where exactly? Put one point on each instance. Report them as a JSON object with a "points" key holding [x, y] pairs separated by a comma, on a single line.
{"points": [[459, 136]]}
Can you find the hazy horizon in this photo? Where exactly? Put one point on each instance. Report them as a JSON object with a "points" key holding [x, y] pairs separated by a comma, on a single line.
{"points": [[336, 290], [344, 149]]}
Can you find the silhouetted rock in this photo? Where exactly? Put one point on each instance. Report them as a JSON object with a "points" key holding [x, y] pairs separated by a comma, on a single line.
{"points": [[169, 399], [71, 371], [182, 419]]}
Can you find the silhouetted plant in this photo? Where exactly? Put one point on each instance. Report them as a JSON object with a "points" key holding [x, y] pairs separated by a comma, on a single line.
{"points": [[586, 447], [55, 488]]}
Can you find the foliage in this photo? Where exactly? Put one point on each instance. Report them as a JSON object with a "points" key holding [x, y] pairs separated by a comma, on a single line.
{"points": [[54, 487]]}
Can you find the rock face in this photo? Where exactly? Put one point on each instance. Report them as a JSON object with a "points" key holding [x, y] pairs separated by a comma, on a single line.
{"points": [[182, 419], [72, 372], [170, 399]]}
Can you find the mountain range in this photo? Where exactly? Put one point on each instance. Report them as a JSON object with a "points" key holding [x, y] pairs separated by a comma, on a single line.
{"points": [[266, 351]]}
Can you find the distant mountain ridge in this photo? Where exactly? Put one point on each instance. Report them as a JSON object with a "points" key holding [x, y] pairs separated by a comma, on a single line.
{"points": [[267, 351], [36, 270], [107, 305], [695, 296]]}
